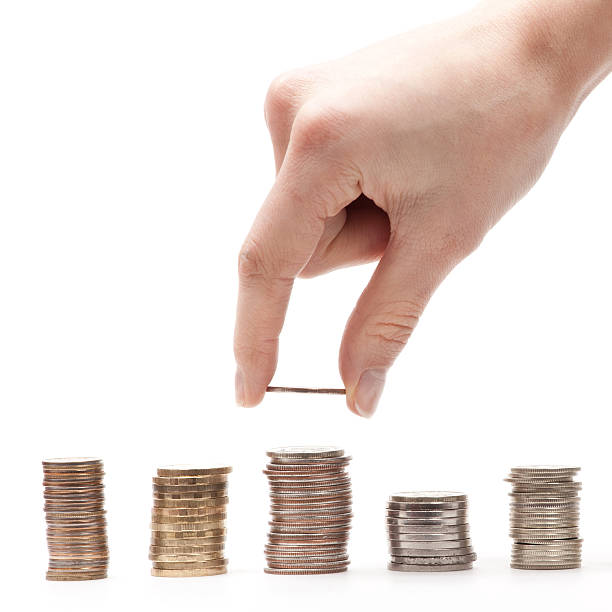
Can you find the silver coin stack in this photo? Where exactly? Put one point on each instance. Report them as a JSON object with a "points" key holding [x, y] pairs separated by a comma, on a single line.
{"points": [[545, 517], [310, 505], [429, 532]]}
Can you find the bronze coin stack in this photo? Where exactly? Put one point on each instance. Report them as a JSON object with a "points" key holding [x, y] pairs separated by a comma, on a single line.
{"points": [[188, 521], [310, 495], [76, 523]]}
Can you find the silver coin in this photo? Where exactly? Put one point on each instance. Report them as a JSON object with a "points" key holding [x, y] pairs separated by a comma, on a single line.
{"points": [[424, 552], [396, 567], [431, 537], [405, 540], [443, 514], [428, 496], [305, 452], [441, 507]]}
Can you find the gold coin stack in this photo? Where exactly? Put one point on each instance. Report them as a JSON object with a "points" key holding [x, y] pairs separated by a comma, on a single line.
{"points": [[188, 521], [76, 523]]}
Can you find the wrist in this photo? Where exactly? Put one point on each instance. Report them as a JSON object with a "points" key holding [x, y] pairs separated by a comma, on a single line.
{"points": [[568, 42]]}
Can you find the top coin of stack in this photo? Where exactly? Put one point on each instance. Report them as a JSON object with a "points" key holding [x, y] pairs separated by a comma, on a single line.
{"points": [[545, 517], [76, 523], [310, 495], [188, 521], [429, 532]]}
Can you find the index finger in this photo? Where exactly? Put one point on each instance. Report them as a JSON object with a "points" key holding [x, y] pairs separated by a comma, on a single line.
{"points": [[283, 238]]}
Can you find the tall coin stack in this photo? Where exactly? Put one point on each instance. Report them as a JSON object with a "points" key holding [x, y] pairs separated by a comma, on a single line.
{"points": [[188, 521], [545, 517], [429, 532], [76, 523], [310, 497]]}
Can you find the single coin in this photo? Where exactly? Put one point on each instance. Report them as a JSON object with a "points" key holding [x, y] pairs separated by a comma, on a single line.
{"points": [[185, 542], [200, 557], [310, 462], [550, 566], [191, 565], [432, 537], [190, 520], [439, 560], [439, 522], [204, 499], [436, 530], [64, 578], [305, 452], [316, 468], [326, 391], [400, 567], [186, 550], [197, 488], [304, 572], [188, 573], [429, 514], [428, 496], [430, 545], [306, 565], [180, 512], [181, 503], [214, 479], [57, 462], [428, 552], [191, 470]]}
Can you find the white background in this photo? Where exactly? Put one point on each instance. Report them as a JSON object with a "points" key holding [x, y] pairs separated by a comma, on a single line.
{"points": [[133, 157]]}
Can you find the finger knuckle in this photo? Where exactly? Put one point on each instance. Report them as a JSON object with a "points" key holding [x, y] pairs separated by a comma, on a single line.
{"points": [[451, 245], [281, 98], [318, 126], [391, 329], [251, 262], [256, 353]]}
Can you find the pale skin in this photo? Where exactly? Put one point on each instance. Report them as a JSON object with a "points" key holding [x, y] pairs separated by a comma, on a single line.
{"points": [[407, 153]]}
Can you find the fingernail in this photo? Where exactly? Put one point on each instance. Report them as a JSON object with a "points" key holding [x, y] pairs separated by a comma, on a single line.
{"points": [[368, 392], [239, 383]]}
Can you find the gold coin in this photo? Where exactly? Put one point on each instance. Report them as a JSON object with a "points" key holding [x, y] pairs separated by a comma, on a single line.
{"points": [[184, 512], [187, 550], [181, 503], [202, 528], [190, 565], [184, 538], [204, 499], [200, 557], [174, 520], [190, 573], [191, 470], [215, 480]]}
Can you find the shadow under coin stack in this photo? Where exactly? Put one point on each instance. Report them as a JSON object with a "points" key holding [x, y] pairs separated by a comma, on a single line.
{"points": [[545, 517], [429, 532], [76, 523], [310, 505], [188, 521]]}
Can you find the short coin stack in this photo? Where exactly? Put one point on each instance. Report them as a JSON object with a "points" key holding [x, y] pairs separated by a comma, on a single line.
{"points": [[310, 497], [76, 523], [429, 532], [545, 517], [188, 521]]}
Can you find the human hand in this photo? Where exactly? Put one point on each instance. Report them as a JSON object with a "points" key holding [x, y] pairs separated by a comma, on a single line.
{"points": [[408, 151]]}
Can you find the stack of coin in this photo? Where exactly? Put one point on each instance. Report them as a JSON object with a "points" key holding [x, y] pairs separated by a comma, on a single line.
{"points": [[188, 521], [310, 497], [429, 532], [76, 523], [545, 517]]}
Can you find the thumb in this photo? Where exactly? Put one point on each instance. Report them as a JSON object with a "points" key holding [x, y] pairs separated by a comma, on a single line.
{"points": [[383, 321]]}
